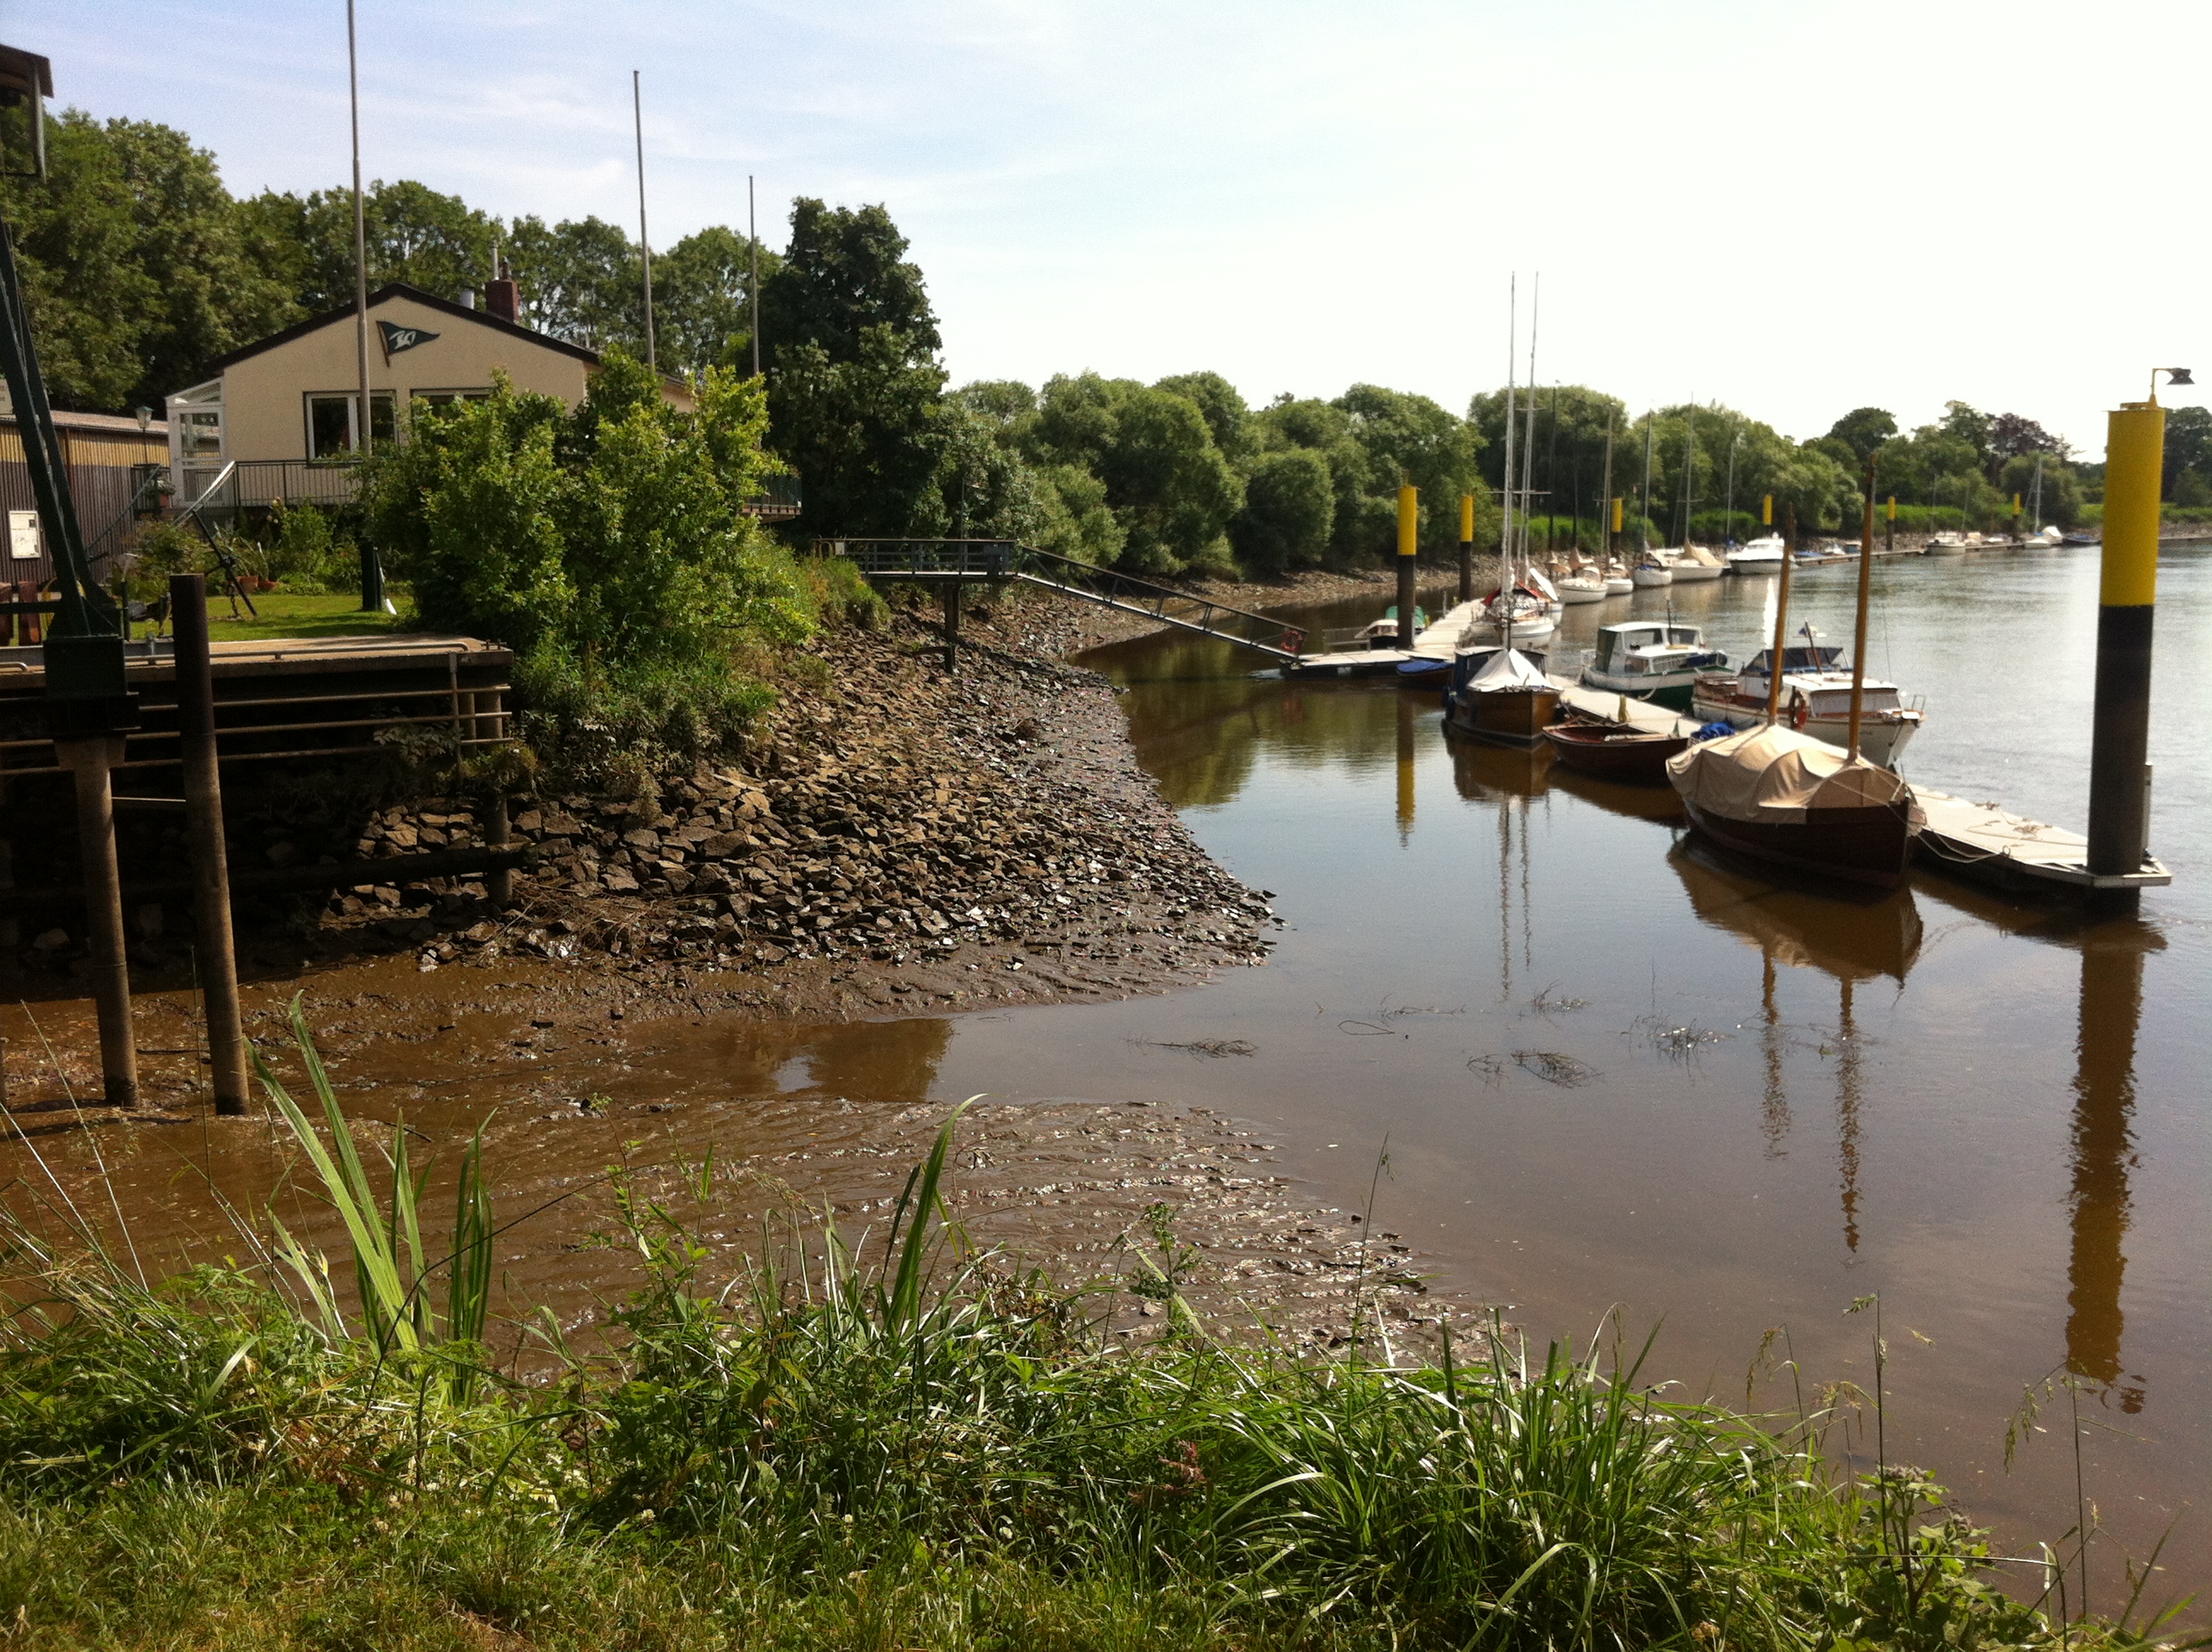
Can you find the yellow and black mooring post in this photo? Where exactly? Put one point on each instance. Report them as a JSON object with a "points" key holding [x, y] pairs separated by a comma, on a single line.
{"points": [[2119, 777], [1409, 515], [1892, 546], [1466, 547]]}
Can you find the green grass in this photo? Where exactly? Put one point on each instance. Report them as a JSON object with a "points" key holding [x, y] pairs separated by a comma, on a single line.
{"points": [[283, 614], [914, 1444]]}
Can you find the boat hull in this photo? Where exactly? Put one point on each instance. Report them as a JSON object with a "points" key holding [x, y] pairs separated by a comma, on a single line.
{"points": [[1755, 565], [1629, 756], [1689, 572], [1860, 846], [1571, 594], [1517, 716], [1672, 690], [1881, 740], [1648, 578]]}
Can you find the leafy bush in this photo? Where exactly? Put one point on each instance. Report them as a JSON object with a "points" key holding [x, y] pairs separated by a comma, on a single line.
{"points": [[606, 547]]}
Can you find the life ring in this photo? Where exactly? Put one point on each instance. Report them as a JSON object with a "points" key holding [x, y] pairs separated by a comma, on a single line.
{"points": [[1801, 711], [1293, 640]]}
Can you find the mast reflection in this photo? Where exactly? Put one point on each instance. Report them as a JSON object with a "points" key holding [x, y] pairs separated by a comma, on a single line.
{"points": [[1851, 940]]}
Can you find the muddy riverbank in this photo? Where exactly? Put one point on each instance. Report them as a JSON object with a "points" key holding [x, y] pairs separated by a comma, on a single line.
{"points": [[893, 847]]}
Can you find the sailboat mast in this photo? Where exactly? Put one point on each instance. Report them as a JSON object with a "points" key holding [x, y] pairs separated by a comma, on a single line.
{"points": [[1512, 353], [2037, 496], [1780, 639], [1644, 516], [1528, 437], [1605, 502], [1859, 631], [1689, 447]]}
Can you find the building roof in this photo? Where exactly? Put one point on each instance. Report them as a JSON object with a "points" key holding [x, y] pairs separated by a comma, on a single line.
{"points": [[401, 289], [108, 423]]}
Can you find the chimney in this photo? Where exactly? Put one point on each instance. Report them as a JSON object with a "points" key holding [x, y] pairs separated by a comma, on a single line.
{"points": [[503, 298]]}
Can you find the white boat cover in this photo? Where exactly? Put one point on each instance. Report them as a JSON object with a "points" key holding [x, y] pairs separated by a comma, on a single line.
{"points": [[1772, 775], [1509, 668]]}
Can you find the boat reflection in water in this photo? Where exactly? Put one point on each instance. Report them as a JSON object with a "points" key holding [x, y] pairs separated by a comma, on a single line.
{"points": [[1482, 772], [1851, 940]]}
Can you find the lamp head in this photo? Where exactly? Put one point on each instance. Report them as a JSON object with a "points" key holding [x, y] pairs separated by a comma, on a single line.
{"points": [[2173, 376]]}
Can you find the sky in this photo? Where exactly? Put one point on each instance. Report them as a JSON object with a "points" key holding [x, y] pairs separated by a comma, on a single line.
{"points": [[1793, 208]]}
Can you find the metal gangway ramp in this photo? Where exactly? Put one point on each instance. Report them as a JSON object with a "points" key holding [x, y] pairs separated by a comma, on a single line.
{"points": [[953, 562]]}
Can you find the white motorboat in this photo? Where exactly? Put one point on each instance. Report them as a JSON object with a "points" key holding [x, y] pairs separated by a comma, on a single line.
{"points": [[1651, 660], [1949, 543], [1761, 555], [1815, 700]]}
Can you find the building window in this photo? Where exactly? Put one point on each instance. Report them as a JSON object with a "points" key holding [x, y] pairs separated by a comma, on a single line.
{"points": [[333, 427], [447, 397]]}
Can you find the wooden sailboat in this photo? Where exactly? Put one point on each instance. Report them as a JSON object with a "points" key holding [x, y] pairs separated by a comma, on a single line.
{"points": [[1784, 797]]}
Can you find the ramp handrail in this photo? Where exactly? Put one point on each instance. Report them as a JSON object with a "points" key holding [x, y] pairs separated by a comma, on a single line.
{"points": [[940, 560], [1112, 589]]}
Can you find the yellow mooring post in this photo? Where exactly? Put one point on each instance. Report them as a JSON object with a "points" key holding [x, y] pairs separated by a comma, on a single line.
{"points": [[1408, 543], [2119, 778], [1466, 547], [1892, 546], [1767, 512]]}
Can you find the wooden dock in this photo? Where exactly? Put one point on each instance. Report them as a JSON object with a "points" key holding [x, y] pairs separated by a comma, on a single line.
{"points": [[285, 699], [1985, 844], [1437, 639]]}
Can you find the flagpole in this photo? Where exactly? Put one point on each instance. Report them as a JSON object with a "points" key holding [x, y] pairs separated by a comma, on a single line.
{"points": [[644, 244], [372, 566], [752, 235]]}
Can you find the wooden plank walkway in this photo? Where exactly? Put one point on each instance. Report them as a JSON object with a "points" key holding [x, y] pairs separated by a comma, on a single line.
{"points": [[1984, 843]]}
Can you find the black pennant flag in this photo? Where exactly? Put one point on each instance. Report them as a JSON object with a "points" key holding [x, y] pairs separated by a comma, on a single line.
{"points": [[398, 339]]}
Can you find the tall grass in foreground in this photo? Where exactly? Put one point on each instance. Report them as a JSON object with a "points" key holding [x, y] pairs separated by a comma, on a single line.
{"points": [[883, 1442]]}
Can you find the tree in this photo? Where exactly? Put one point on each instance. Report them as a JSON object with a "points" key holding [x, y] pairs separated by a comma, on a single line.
{"points": [[1864, 430], [2014, 434], [1219, 405], [2188, 454], [1171, 490], [136, 264], [580, 280], [1290, 507], [702, 301], [864, 433], [845, 274], [436, 242], [2062, 488]]}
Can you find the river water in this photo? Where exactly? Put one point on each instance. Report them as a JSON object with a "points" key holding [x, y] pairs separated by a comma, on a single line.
{"points": [[1604, 1071]]}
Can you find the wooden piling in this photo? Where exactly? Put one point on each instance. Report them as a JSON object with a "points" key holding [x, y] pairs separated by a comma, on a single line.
{"points": [[953, 598], [90, 760], [210, 858], [499, 880]]}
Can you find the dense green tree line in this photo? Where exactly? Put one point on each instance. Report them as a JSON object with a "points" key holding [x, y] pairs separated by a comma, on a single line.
{"points": [[143, 269]]}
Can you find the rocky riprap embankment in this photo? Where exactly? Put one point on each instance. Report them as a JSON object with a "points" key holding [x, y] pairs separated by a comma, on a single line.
{"points": [[883, 811]]}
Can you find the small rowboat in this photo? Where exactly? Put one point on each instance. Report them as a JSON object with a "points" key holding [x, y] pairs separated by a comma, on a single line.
{"points": [[1424, 671], [1615, 751]]}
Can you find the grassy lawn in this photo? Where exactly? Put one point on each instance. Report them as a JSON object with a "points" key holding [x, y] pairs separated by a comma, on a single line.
{"points": [[283, 614]]}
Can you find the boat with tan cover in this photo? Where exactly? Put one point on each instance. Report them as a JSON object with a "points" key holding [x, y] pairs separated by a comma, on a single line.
{"points": [[1778, 795]]}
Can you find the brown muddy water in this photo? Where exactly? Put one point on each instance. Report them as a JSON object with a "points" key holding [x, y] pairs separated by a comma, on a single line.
{"points": [[1602, 1069]]}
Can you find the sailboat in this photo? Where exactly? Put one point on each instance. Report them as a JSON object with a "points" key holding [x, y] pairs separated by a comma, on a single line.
{"points": [[1782, 796], [1690, 563], [1524, 605], [1649, 571]]}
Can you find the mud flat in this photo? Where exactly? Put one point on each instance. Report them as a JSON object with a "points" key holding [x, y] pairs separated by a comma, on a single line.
{"points": [[892, 846]]}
